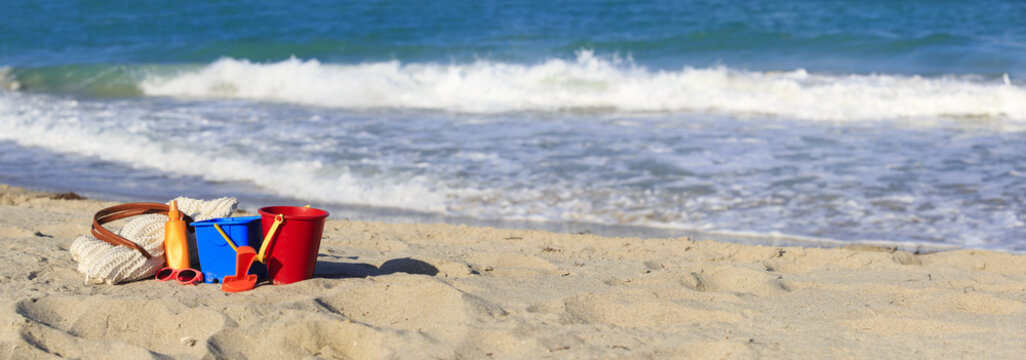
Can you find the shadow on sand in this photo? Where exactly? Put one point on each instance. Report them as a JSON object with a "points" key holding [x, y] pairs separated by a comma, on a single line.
{"points": [[337, 269]]}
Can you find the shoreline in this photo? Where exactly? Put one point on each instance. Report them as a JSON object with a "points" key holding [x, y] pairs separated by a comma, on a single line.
{"points": [[436, 290], [249, 203]]}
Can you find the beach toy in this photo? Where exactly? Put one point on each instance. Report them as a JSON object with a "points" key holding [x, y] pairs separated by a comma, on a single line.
{"points": [[244, 255], [242, 280], [292, 239], [176, 242], [216, 241]]}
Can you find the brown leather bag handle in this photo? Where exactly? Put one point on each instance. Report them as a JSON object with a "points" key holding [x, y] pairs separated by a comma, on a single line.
{"points": [[122, 211]]}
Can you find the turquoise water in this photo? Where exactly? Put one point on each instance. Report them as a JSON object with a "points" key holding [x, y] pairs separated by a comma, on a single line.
{"points": [[909, 37], [893, 121]]}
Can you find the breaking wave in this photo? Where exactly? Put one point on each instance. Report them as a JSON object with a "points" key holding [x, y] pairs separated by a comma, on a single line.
{"points": [[587, 83]]}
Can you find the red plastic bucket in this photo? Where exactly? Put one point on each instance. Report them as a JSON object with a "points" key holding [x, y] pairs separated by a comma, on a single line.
{"points": [[292, 251]]}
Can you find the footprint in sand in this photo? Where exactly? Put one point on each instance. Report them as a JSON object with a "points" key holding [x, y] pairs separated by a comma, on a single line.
{"points": [[109, 321], [514, 265], [975, 303], [635, 309], [737, 279], [906, 326], [302, 334], [416, 303]]}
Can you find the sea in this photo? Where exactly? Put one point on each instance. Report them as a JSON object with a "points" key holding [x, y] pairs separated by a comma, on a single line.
{"points": [[766, 122]]}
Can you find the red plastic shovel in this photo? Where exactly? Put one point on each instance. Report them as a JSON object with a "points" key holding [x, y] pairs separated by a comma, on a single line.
{"points": [[244, 256]]}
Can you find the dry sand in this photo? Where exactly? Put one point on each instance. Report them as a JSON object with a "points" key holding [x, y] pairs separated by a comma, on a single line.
{"points": [[416, 291]]}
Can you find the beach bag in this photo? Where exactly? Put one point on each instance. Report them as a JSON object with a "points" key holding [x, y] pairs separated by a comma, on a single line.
{"points": [[137, 250]]}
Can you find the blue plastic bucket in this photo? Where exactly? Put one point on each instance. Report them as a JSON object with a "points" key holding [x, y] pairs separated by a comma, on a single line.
{"points": [[217, 258]]}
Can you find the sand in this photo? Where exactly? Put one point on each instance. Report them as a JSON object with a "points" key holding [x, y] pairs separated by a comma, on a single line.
{"points": [[415, 291]]}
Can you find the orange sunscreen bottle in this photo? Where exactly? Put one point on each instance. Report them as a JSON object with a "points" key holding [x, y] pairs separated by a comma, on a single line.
{"points": [[176, 244]]}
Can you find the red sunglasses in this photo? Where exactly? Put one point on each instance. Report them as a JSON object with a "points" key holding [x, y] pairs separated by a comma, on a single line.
{"points": [[183, 276]]}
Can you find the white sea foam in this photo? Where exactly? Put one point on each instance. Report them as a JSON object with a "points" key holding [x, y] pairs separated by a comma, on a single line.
{"points": [[119, 135], [693, 173], [590, 82]]}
